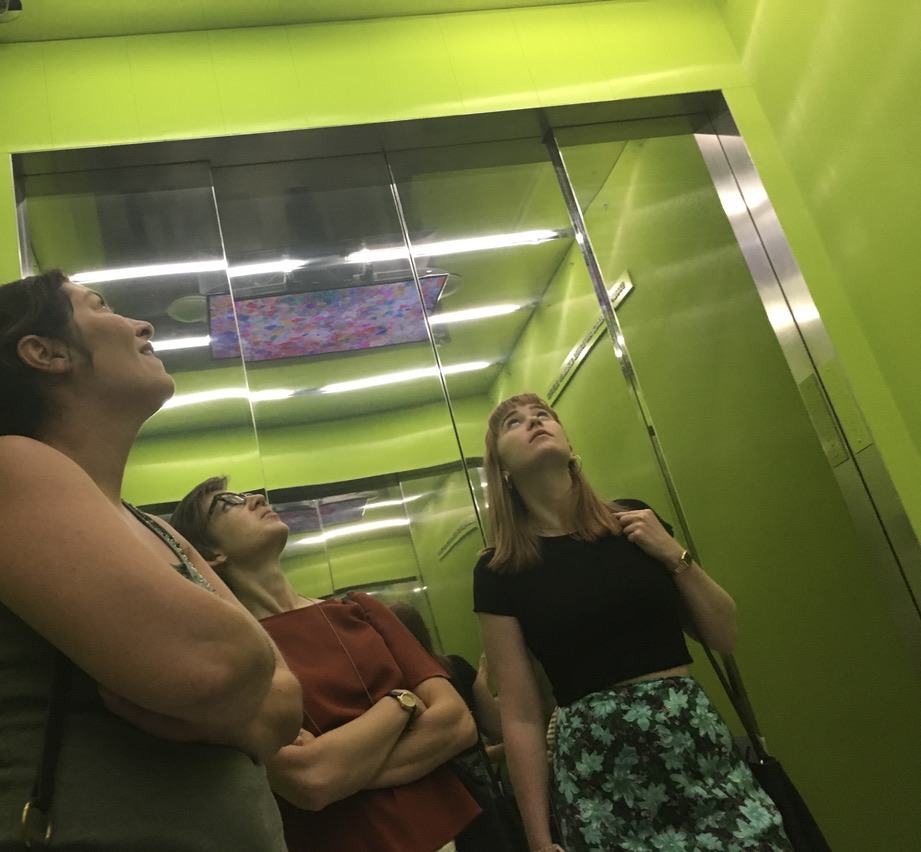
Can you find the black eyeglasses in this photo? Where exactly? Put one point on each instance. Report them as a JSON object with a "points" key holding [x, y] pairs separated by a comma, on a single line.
{"points": [[228, 498]]}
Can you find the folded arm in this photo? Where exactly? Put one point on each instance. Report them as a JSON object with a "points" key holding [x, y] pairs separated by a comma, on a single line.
{"points": [[80, 573], [317, 770], [443, 729]]}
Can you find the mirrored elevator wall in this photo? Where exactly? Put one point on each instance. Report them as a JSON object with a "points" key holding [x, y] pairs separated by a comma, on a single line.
{"points": [[337, 367]]}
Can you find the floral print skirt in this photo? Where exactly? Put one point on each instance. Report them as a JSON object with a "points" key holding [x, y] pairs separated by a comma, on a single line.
{"points": [[652, 766]]}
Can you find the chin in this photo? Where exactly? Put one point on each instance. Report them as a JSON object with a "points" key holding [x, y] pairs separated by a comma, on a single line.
{"points": [[165, 390]]}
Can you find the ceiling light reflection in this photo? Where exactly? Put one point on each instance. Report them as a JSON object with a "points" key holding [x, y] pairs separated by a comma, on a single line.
{"points": [[181, 343], [494, 241], [130, 273], [352, 529], [227, 393], [405, 376], [473, 314]]}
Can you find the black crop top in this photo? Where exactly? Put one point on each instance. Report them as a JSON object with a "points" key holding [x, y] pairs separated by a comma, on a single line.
{"points": [[593, 613]]}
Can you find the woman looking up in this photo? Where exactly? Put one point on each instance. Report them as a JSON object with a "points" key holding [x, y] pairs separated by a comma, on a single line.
{"points": [[602, 595], [380, 718], [170, 692]]}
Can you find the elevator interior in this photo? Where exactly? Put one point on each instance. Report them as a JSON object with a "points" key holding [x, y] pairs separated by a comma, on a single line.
{"points": [[620, 259]]}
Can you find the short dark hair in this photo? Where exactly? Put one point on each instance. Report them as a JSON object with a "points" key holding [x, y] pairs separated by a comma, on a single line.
{"points": [[190, 517], [35, 305]]}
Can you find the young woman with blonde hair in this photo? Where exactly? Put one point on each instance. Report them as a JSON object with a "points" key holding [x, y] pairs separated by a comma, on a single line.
{"points": [[602, 595]]}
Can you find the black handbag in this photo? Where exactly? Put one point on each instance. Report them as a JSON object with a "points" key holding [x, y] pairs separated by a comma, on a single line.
{"points": [[798, 822], [499, 828]]}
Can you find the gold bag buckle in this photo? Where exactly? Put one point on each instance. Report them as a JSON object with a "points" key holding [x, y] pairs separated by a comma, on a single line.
{"points": [[30, 831]]}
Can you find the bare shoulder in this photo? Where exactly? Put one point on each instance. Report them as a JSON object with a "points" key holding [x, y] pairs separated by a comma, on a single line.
{"points": [[31, 470], [24, 456], [15, 447]]}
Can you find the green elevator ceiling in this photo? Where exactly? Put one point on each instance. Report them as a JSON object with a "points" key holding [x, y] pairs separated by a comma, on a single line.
{"points": [[49, 20]]}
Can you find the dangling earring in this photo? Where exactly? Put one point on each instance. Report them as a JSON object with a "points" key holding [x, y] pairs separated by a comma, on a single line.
{"points": [[508, 480], [575, 459]]}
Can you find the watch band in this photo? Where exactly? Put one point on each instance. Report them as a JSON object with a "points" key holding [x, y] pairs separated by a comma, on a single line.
{"points": [[683, 563]]}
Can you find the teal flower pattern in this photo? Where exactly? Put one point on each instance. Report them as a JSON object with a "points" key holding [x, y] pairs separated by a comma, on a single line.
{"points": [[652, 766]]}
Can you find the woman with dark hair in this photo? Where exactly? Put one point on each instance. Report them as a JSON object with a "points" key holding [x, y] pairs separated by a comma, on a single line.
{"points": [[162, 694], [602, 595], [379, 716]]}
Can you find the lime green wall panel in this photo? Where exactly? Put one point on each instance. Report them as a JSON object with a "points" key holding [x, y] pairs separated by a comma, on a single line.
{"points": [[375, 559], [835, 89], [25, 119], [409, 73], [176, 87], [333, 68], [562, 69], [96, 91], [382, 72], [161, 470], [362, 446], [660, 47], [480, 48], [91, 94]]}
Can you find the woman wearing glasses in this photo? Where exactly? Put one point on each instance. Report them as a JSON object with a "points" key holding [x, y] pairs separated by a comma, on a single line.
{"points": [[164, 693], [379, 716]]}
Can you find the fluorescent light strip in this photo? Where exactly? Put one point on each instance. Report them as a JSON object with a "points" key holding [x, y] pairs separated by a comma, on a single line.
{"points": [[522, 238], [392, 502], [284, 393], [473, 314], [262, 268], [130, 273], [227, 393], [181, 343], [406, 376], [352, 529]]}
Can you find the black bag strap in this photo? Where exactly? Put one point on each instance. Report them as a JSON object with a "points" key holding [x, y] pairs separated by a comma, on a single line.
{"points": [[36, 815], [495, 781], [731, 679]]}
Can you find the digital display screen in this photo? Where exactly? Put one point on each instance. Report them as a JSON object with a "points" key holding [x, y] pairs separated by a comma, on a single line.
{"points": [[291, 325]]}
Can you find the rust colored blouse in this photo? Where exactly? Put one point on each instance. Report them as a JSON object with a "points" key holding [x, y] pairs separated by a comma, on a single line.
{"points": [[418, 817]]}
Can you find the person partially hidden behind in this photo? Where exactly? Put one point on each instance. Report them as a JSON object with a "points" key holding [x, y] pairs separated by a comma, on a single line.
{"points": [[167, 691], [602, 594], [380, 717]]}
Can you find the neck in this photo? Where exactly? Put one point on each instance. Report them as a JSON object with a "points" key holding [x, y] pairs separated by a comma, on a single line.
{"points": [[546, 495], [261, 587], [98, 445]]}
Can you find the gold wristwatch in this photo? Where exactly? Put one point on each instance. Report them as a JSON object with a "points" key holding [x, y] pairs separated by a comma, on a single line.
{"points": [[406, 700], [684, 562]]}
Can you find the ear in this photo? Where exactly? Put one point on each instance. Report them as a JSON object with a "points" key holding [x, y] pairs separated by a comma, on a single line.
{"points": [[219, 561], [44, 353]]}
